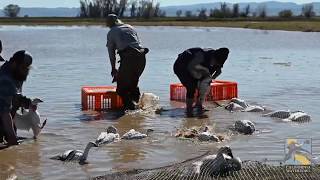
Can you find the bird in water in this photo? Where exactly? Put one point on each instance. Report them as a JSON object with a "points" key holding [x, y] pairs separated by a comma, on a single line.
{"points": [[133, 134], [76, 155], [244, 127], [111, 135], [219, 164]]}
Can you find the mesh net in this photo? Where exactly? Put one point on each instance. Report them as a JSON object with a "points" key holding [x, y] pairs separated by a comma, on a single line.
{"points": [[188, 170]]}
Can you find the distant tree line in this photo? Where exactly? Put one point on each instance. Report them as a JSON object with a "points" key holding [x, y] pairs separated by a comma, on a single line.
{"points": [[234, 12], [137, 8]]}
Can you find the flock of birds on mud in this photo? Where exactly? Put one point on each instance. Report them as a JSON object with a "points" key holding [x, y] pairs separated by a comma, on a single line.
{"points": [[220, 163]]}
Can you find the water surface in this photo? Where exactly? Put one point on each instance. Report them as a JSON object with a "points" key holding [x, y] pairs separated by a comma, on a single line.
{"points": [[276, 69]]}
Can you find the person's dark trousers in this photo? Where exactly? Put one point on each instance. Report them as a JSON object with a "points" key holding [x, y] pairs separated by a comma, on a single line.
{"points": [[132, 64], [1, 133]]}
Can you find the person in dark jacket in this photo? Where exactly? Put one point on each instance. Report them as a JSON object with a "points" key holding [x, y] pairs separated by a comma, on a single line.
{"points": [[196, 68], [123, 39], [12, 75]]}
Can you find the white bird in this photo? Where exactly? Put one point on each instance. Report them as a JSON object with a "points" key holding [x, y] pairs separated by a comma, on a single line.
{"points": [[278, 114], [75, 155], [298, 117], [241, 102], [254, 108], [30, 119], [218, 164], [244, 126], [207, 136], [149, 101], [240, 105], [109, 136], [133, 134]]}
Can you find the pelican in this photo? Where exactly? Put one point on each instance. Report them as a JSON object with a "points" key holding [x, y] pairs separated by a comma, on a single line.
{"points": [[109, 136], [244, 126], [241, 102], [30, 119], [218, 164], [133, 134], [76, 155], [298, 117], [283, 114], [207, 136]]}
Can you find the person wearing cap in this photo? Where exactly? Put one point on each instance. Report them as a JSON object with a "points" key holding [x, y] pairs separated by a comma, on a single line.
{"points": [[196, 68], [1, 59], [123, 39], [12, 75]]}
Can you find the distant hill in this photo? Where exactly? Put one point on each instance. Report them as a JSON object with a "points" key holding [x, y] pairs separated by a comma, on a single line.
{"points": [[47, 12], [273, 8]]}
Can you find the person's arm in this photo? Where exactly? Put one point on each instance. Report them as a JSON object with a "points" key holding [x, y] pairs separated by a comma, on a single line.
{"points": [[8, 127], [195, 68], [112, 54]]}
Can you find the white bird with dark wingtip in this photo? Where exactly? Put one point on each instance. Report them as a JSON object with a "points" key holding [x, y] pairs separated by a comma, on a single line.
{"points": [[111, 135], [207, 136], [218, 164], [76, 155], [237, 104], [30, 119], [240, 102], [298, 117], [283, 114], [244, 127], [133, 134]]}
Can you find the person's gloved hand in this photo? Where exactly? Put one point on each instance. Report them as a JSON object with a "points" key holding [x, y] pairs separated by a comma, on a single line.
{"points": [[114, 74]]}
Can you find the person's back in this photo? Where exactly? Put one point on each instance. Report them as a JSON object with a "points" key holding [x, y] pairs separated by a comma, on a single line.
{"points": [[123, 36]]}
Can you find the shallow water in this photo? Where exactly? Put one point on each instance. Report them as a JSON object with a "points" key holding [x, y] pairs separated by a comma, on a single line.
{"points": [[276, 69]]}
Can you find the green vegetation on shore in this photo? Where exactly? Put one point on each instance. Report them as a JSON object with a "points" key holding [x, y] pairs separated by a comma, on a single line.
{"points": [[292, 24]]}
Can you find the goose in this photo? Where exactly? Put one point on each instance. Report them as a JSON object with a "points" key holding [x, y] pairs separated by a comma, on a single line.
{"points": [[30, 119], [244, 127], [109, 136], [76, 155], [133, 134]]}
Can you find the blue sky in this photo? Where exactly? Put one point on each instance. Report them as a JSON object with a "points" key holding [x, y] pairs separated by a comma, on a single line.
{"points": [[75, 3]]}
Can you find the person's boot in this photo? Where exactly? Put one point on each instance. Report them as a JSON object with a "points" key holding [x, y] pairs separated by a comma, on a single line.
{"points": [[135, 95], [189, 108], [203, 87]]}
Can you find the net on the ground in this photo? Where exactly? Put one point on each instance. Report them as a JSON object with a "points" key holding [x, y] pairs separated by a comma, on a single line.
{"points": [[187, 171]]}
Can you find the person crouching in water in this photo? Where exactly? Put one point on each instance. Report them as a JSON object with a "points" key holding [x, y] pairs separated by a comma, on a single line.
{"points": [[124, 39], [196, 68]]}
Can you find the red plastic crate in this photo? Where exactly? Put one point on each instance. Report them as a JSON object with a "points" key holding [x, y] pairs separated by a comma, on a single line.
{"points": [[220, 90], [100, 98]]}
